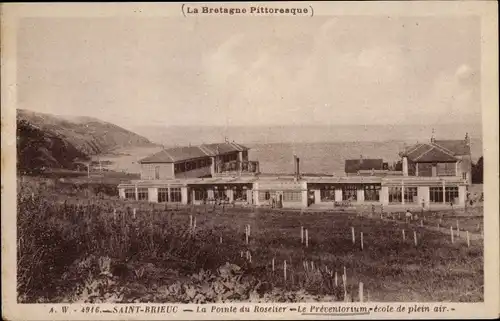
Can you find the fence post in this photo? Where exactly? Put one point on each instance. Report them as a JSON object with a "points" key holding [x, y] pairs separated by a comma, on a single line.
{"points": [[360, 291], [284, 270]]}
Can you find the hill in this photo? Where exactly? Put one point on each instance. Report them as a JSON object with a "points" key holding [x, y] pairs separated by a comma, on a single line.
{"points": [[45, 140]]}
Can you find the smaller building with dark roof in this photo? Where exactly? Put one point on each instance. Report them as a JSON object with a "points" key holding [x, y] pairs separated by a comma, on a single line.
{"points": [[438, 158], [207, 160], [363, 166]]}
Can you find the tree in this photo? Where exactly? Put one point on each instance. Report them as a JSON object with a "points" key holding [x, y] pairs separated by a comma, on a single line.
{"points": [[477, 171]]}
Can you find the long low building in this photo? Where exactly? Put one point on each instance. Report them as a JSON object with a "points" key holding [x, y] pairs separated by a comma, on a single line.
{"points": [[428, 175], [290, 192]]}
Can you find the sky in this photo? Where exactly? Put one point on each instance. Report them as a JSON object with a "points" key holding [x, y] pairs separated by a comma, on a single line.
{"points": [[229, 71]]}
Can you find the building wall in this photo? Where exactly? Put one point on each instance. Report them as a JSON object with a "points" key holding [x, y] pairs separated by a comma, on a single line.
{"points": [[199, 172], [465, 167], [148, 171]]}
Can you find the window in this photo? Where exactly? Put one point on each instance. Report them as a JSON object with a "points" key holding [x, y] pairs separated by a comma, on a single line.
{"points": [[327, 194], [451, 193], [157, 172], [446, 169], [372, 192], [175, 194], [162, 195], [424, 169], [130, 193], [436, 194], [395, 195], [240, 194], [411, 195], [264, 196], [142, 194], [349, 193], [289, 196], [200, 194], [219, 194]]}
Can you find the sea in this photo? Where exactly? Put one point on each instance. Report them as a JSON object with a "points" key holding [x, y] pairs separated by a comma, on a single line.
{"points": [[315, 157]]}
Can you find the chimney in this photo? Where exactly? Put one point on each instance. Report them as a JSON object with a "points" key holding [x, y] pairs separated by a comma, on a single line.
{"points": [[432, 137], [467, 139], [297, 167]]}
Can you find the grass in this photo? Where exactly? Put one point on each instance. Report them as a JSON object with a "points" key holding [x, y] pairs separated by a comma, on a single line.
{"points": [[73, 247]]}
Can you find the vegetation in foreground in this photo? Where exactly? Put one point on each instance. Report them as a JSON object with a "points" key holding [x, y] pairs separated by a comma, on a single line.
{"points": [[74, 248]]}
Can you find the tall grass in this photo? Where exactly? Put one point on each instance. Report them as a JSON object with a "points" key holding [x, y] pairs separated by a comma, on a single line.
{"points": [[73, 246]]}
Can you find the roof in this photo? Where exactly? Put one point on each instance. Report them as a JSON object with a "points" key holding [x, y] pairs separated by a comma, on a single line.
{"points": [[458, 147], [223, 148], [177, 154], [354, 165], [437, 151]]}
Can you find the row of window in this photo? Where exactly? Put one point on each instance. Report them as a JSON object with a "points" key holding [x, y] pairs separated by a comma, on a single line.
{"points": [[439, 169], [395, 195], [350, 192], [239, 194], [192, 165], [288, 196], [164, 195], [372, 193], [436, 194]]}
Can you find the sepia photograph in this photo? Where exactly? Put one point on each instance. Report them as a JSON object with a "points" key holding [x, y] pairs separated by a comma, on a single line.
{"points": [[243, 153]]}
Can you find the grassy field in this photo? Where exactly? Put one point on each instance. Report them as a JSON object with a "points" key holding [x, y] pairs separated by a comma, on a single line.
{"points": [[75, 246]]}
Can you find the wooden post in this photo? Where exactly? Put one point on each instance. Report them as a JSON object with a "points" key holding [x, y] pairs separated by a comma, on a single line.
{"points": [[421, 223], [307, 238], [415, 237], [301, 235], [272, 264], [360, 291], [451, 233], [246, 234], [248, 229], [336, 279], [284, 270], [353, 236], [404, 237], [114, 214], [361, 240], [220, 239], [468, 239], [312, 266], [190, 221], [344, 281]]}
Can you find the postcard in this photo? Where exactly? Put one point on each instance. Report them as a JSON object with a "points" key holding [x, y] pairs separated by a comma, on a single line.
{"points": [[250, 160]]}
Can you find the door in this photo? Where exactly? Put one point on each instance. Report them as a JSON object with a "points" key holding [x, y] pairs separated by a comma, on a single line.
{"points": [[434, 170], [310, 197]]}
